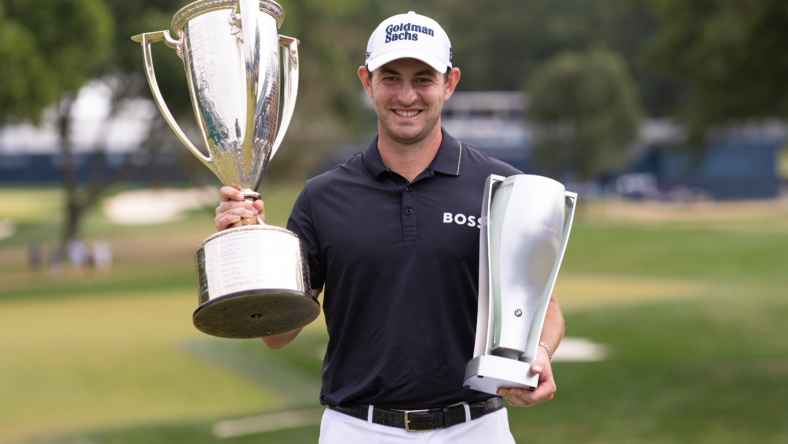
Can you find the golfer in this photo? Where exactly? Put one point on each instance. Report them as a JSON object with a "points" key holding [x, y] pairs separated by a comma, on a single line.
{"points": [[393, 236]]}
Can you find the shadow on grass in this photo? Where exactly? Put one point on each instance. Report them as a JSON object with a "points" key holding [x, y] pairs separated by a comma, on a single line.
{"points": [[293, 373]]}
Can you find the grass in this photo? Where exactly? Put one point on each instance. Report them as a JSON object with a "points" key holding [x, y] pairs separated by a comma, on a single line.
{"points": [[93, 362], [693, 311]]}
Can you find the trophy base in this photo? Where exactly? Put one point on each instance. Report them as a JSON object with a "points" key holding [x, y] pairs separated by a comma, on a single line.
{"points": [[488, 373], [256, 313]]}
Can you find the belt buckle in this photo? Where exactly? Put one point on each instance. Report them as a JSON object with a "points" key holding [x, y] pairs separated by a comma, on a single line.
{"points": [[407, 421]]}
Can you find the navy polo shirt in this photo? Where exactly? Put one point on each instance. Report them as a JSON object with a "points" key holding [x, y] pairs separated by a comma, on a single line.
{"points": [[400, 264]]}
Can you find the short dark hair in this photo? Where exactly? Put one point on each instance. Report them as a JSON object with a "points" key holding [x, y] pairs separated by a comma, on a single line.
{"points": [[445, 74]]}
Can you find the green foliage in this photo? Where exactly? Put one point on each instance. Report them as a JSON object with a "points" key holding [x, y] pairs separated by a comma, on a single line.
{"points": [[728, 54], [711, 61], [586, 113], [126, 63], [496, 44], [333, 41], [47, 48], [26, 88], [50, 47]]}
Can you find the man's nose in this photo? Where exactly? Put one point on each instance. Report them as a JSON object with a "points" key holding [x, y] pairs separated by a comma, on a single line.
{"points": [[407, 94]]}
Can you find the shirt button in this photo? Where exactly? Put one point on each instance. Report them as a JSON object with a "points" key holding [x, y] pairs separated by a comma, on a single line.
{"points": [[408, 188], [409, 211]]}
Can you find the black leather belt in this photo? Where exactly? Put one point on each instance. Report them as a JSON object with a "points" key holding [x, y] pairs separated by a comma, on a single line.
{"points": [[420, 420]]}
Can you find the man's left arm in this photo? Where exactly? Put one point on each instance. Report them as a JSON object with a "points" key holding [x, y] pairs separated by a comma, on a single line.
{"points": [[552, 332]]}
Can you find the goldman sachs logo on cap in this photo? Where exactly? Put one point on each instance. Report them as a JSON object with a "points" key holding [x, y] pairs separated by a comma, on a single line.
{"points": [[407, 31]]}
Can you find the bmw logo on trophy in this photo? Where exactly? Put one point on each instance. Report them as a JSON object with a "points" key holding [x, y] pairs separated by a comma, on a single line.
{"points": [[525, 228], [253, 279]]}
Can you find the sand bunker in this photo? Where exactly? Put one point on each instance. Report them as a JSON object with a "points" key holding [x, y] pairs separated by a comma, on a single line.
{"points": [[580, 350], [7, 229], [156, 206]]}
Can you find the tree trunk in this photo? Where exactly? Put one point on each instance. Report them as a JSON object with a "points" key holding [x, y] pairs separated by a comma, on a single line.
{"points": [[68, 169], [79, 197]]}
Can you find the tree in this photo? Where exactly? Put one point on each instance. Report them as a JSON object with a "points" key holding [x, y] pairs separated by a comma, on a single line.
{"points": [[585, 113], [47, 48], [63, 44], [728, 54], [123, 72], [26, 82]]}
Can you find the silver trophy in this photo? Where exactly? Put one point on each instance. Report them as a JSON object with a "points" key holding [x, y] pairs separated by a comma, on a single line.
{"points": [[525, 228], [253, 278]]}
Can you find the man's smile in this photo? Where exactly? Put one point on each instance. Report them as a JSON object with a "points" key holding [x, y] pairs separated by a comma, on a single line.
{"points": [[404, 113]]}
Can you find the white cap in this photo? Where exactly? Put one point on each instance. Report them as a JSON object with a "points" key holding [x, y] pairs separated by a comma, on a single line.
{"points": [[409, 36]]}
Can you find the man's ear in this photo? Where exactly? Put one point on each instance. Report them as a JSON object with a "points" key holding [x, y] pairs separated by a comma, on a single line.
{"points": [[451, 84], [366, 80]]}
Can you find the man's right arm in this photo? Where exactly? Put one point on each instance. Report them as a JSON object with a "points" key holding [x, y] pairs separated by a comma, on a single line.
{"points": [[279, 341]]}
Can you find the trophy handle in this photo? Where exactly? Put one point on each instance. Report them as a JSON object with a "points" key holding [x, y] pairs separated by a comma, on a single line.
{"points": [[290, 57], [146, 39], [535, 332]]}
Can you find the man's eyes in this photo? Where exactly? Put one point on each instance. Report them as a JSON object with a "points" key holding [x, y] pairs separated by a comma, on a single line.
{"points": [[417, 79]]}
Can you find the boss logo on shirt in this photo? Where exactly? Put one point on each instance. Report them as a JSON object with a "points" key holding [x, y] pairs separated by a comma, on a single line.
{"points": [[461, 219], [407, 31]]}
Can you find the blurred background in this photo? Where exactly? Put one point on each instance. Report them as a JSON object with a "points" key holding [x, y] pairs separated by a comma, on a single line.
{"points": [[667, 116]]}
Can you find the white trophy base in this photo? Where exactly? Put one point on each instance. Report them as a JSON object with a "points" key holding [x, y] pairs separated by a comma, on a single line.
{"points": [[488, 373]]}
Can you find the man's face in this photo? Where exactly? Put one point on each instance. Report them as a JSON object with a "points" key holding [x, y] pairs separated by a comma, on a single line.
{"points": [[408, 97]]}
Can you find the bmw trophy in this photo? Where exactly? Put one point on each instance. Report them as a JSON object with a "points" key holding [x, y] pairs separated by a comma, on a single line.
{"points": [[252, 278], [525, 228]]}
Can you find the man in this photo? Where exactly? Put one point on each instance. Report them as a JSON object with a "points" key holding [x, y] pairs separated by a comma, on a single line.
{"points": [[393, 234]]}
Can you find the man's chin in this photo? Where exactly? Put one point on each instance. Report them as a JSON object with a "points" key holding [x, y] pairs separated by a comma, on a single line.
{"points": [[406, 135]]}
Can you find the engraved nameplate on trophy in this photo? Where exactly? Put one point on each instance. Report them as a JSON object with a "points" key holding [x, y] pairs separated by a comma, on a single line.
{"points": [[228, 272]]}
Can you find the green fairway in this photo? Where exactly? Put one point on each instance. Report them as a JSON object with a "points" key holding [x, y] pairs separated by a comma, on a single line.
{"points": [[693, 310], [30, 204]]}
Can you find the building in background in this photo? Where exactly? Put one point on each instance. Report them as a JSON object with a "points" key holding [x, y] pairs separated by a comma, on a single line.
{"points": [[29, 154], [493, 122], [740, 163], [737, 163]]}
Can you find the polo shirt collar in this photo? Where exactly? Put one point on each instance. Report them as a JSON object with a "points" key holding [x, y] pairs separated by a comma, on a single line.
{"points": [[372, 160], [446, 161]]}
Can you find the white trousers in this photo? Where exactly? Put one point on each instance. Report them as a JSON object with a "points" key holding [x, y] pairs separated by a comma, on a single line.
{"points": [[338, 428]]}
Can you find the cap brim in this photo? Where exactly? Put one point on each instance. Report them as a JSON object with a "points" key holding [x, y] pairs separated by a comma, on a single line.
{"points": [[376, 62]]}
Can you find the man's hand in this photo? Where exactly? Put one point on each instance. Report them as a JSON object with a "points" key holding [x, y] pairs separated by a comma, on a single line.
{"points": [[545, 390], [233, 208]]}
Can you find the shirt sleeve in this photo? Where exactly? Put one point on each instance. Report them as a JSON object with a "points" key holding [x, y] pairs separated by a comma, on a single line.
{"points": [[301, 223]]}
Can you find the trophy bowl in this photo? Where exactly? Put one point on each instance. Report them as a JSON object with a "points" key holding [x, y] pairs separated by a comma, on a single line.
{"points": [[253, 279]]}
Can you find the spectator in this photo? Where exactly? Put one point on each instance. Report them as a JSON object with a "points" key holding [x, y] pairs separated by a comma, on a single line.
{"points": [[77, 255], [102, 256]]}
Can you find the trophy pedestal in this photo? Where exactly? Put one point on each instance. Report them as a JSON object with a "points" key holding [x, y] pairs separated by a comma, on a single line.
{"points": [[256, 313], [488, 373], [253, 282]]}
